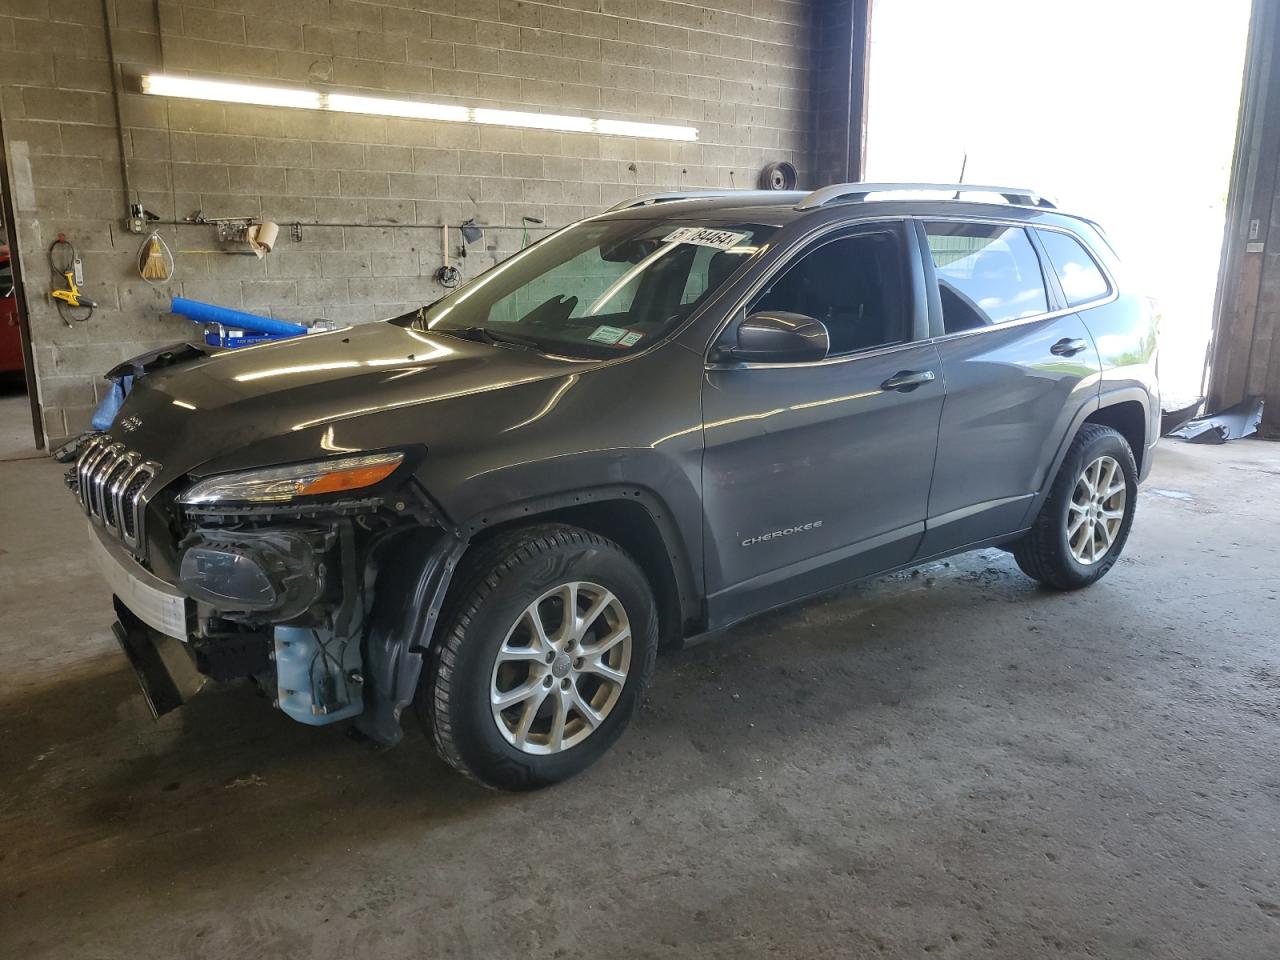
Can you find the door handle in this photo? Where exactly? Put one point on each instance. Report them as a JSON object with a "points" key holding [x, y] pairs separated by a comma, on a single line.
{"points": [[905, 381], [1068, 347]]}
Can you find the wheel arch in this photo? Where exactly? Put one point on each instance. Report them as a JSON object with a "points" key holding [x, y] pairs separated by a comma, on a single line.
{"points": [[634, 518], [1128, 417], [1125, 410]]}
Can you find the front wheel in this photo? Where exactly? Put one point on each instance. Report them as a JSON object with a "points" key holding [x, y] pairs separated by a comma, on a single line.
{"points": [[1084, 523], [544, 660]]}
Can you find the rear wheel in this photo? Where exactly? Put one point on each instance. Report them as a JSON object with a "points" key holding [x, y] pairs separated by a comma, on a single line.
{"points": [[1084, 523], [543, 662]]}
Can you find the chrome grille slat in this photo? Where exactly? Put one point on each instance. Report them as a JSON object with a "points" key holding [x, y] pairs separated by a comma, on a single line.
{"points": [[84, 467], [91, 473], [131, 525], [116, 489], [110, 510], [102, 470], [110, 482]]}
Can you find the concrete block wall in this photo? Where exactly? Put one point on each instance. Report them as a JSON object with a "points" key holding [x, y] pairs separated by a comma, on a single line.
{"points": [[369, 192]]}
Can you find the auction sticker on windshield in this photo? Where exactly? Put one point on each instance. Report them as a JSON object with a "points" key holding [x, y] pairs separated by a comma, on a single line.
{"points": [[706, 237]]}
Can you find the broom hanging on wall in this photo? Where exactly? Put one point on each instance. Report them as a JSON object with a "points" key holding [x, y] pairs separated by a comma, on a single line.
{"points": [[155, 259]]}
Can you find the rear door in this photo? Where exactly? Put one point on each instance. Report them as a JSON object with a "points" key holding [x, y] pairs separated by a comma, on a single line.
{"points": [[816, 473], [1017, 365]]}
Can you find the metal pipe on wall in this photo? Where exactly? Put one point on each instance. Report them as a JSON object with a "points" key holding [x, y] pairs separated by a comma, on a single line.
{"points": [[107, 14]]}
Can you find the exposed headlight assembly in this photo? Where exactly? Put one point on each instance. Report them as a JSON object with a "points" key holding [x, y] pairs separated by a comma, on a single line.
{"points": [[282, 484]]}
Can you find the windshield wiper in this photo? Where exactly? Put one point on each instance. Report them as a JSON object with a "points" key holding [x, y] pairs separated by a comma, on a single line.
{"points": [[485, 335]]}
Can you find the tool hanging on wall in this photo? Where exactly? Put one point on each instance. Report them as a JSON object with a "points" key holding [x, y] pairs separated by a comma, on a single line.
{"points": [[471, 231], [65, 264], [447, 276], [155, 259]]}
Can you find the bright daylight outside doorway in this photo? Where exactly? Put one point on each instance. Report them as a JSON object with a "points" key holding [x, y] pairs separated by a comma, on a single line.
{"points": [[1124, 113]]}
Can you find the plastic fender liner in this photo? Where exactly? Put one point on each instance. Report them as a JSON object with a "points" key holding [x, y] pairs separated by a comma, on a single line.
{"points": [[414, 572]]}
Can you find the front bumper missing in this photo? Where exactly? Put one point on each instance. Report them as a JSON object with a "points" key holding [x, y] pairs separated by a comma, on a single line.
{"points": [[153, 624], [165, 671], [153, 601], [376, 665]]}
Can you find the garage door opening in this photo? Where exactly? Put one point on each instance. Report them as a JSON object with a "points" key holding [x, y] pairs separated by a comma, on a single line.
{"points": [[1125, 113]]}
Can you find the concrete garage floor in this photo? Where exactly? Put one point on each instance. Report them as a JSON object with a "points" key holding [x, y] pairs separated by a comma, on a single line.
{"points": [[953, 763], [16, 442]]}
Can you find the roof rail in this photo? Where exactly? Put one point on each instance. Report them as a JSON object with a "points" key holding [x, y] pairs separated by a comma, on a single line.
{"points": [[649, 199], [854, 192]]}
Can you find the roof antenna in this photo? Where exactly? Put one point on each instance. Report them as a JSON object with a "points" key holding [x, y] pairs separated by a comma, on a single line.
{"points": [[964, 162]]}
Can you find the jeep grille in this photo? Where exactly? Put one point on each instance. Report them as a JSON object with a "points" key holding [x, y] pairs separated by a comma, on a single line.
{"points": [[109, 482]]}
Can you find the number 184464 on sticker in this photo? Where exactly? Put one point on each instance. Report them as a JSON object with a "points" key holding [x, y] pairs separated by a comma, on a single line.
{"points": [[706, 237]]}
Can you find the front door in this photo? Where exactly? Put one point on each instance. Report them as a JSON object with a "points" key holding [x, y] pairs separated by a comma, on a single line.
{"points": [[1017, 368], [816, 473]]}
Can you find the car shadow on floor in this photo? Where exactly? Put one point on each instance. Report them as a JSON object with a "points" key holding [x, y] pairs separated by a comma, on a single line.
{"points": [[225, 774], [94, 786]]}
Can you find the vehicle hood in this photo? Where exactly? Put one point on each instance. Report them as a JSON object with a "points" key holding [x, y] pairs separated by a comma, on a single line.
{"points": [[361, 388]]}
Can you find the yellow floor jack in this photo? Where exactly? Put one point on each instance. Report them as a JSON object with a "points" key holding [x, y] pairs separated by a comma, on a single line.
{"points": [[63, 260]]}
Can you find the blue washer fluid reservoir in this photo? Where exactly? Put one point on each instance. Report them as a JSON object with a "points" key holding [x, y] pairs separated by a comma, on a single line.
{"points": [[318, 677]]}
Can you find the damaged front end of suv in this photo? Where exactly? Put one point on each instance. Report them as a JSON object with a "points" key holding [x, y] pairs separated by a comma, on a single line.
{"points": [[272, 576], [263, 514]]}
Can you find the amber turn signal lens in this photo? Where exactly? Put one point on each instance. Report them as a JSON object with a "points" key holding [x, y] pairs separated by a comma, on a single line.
{"points": [[352, 479]]}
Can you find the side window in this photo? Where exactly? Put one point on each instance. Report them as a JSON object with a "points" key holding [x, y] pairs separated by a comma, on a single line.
{"points": [[1077, 272], [988, 273], [854, 285]]}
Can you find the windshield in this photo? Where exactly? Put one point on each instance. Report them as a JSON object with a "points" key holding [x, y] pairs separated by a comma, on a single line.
{"points": [[598, 288]]}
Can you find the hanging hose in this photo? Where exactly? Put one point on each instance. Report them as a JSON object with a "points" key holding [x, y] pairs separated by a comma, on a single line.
{"points": [[524, 222]]}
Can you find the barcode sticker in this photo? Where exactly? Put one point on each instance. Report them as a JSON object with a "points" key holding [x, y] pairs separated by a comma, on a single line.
{"points": [[606, 334]]}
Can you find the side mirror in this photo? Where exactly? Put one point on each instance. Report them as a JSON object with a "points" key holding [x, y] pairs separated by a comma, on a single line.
{"points": [[778, 337]]}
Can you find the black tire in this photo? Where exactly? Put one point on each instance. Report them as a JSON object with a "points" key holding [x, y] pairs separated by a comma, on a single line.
{"points": [[1044, 553], [494, 585]]}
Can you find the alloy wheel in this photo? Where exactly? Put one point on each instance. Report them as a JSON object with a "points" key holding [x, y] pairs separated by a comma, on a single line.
{"points": [[561, 668], [1096, 511]]}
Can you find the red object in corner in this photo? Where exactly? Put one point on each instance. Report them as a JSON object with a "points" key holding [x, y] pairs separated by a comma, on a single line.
{"points": [[10, 341]]}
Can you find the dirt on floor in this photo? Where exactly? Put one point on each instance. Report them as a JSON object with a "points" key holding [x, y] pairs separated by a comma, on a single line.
{"points": [[950, 761]]}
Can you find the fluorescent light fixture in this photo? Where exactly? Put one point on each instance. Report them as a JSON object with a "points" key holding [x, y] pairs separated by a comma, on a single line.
{"points": [[226, 91], [380, 106], [659, 131], [191, 89], [538, 121]]}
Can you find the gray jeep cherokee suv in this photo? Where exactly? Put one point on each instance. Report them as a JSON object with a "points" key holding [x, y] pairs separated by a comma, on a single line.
{"points": [[649, 425]]}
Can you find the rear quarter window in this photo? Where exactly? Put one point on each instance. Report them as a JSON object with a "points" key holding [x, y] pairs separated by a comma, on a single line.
{"points": [[1078, 274]]}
